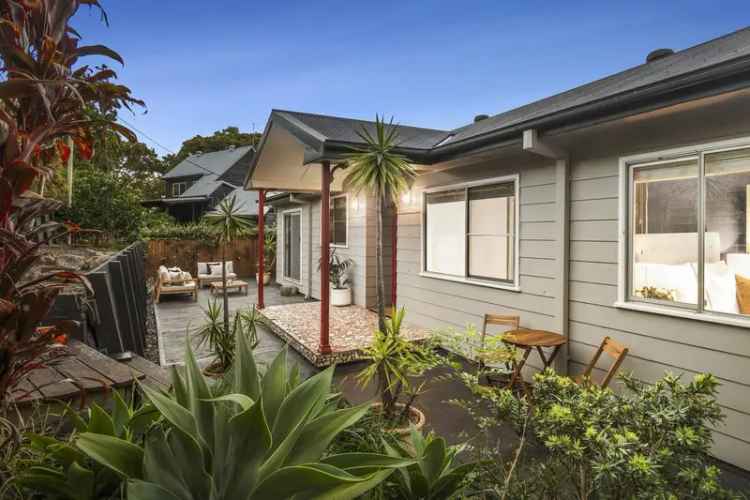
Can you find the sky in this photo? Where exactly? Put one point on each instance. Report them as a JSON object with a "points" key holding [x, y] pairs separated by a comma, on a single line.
{"points": [[201, 66]]}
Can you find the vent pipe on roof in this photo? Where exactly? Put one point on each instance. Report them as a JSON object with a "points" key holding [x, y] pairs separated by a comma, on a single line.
{"points": [[657, 54], [479, 118]]}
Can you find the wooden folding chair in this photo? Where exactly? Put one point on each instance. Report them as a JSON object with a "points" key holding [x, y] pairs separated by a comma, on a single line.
{"points": [[512, 321], [615, 350]]}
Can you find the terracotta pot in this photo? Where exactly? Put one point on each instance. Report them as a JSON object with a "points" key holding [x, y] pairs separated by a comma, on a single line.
{"points": [[415, 414], [213, 370], [341, 297], [266, 278]]}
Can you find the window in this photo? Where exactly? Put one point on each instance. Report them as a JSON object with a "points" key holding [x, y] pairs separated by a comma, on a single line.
{"points": [[470, 232], [178, 188], [339, 221], [688, 227]]}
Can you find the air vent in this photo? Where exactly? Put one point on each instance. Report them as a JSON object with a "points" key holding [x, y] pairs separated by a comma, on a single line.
{"points": [[479, 118], [657, 54]]}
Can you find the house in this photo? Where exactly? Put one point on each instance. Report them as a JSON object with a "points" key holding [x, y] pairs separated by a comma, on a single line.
{"points": [[200, 181], [620, 207]]}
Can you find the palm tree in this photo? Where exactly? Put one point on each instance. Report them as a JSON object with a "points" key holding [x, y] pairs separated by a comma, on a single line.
{"points": [[230, 225], [380, 171]]}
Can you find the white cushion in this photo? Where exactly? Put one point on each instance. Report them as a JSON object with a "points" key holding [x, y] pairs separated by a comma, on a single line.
{"points": [[680, 278], [721, 288], [163, 274]]}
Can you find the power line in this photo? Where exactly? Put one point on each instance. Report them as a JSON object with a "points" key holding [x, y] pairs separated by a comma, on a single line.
{"points": [[158, 144]]}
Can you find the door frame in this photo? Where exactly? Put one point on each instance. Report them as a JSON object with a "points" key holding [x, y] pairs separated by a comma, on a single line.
{"points": [[298, 212]]}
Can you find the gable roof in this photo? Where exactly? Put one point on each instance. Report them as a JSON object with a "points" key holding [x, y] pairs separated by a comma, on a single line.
{"points": [[215, 163], [700, 57], [345, 130], [710, 68]]}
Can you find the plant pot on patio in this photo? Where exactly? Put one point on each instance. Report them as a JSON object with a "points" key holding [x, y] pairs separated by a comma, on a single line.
{"points": [[266, 278], [341, 297], [416, 419]]}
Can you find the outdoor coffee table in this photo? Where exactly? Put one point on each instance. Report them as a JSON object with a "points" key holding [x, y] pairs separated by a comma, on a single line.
{"points": [[528, 340], [217, 286]]}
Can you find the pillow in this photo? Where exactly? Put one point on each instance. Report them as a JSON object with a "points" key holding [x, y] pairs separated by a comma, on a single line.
{"points": [[743, 293], [721, 289], [215, 269], [163, 274], [175, 275], [680, 279], [739, 263], [203, 268]]}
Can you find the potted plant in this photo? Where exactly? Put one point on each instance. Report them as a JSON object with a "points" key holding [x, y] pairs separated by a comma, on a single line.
{"points": [[269, 256], [338, 278], [395, 364]]}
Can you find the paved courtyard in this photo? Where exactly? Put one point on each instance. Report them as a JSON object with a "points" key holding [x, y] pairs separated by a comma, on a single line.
{"points": [[178, 316]]}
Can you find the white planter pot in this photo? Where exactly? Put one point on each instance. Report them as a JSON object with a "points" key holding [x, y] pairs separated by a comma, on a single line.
{"points": [[266, 278], [341, 297]]}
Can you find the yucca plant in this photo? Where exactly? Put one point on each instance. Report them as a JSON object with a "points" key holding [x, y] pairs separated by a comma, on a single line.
{"points": [[378, 169], [262, 438], [229, 225], [222, 342], [436, 475]]}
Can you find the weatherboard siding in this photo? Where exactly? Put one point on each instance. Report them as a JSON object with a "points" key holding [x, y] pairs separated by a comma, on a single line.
{"points": [[445, 305], [657, 343]]}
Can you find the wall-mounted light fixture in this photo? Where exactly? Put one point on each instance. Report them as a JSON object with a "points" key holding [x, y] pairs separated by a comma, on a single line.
{"points": [[408, 197], [355, 203]]}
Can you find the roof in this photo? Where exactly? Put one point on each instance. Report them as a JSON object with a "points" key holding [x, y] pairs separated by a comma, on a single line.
{"points": [[709, 68], [205, 186], [247, 202], [339, 129], [714, 52], [216, 163]]}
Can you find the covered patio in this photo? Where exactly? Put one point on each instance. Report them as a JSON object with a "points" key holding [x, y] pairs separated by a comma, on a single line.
{"points": [[303, 153]]}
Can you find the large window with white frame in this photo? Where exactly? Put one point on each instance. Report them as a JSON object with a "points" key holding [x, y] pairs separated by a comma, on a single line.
{"points": [[688, 227], [339, 221], [470, 232]]}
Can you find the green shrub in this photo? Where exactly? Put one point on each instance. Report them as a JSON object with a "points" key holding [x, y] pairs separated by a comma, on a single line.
{"points": [[651, 441], [200, 231]]}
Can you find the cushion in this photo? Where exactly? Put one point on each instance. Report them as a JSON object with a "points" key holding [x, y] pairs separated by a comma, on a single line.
{"points": [[215, 269], [679, 278], [203, 268], [743, 293], [163, 274], [721, 289]]}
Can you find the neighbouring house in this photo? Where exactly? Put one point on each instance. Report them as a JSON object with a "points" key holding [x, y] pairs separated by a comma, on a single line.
{"points": [[201, 181], [620, 207]]}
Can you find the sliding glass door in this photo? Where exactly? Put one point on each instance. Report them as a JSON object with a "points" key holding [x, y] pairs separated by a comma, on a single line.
{"points": [[292, 250]]}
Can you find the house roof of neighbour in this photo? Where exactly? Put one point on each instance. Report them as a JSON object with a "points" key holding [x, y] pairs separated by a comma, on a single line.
{"points": [[205, 187], [710, 68], [247, 202], [216, 163]]}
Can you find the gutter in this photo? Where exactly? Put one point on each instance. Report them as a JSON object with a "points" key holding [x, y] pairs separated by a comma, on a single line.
{"points": [[707, 82]]}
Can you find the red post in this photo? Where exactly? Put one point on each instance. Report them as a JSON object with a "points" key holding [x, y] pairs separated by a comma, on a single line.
{"points": [[261, 246], [394, 255], [325, 246]]}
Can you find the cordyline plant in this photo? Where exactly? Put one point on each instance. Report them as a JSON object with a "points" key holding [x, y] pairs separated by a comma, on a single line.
{"points": [[44, 98]]}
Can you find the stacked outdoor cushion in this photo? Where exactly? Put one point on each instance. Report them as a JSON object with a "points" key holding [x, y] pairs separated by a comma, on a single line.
{"points": [[209, 272]]}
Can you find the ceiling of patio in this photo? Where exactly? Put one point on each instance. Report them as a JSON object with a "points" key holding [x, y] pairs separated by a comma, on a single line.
{"points": [[283, 164]]}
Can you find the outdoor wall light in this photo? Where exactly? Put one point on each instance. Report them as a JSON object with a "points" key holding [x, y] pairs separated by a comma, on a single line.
{"points": [[407, 197], [355, 203]]}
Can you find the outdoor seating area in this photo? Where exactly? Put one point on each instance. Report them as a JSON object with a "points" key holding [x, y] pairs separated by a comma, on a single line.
{"points": [[174, 282], [210, 272]]}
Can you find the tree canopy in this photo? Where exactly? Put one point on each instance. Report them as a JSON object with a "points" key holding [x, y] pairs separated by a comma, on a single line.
{"points": [[218, 141]]}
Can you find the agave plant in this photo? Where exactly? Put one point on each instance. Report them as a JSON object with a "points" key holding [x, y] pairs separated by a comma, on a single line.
{"points": [[261, 439], [63, 471], [436, 475]]}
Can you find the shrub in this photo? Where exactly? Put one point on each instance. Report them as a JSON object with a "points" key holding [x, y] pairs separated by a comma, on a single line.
{"points": [[199, 231], [651, 441]]}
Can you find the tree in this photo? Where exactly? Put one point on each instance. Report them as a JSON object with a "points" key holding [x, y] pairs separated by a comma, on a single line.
{"points": [[44, 98], [380, 171], [230, 225], [219, 141], [110, 186]]}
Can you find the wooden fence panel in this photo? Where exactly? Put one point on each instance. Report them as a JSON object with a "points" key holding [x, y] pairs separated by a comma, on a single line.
{"points": [[186, 254]]}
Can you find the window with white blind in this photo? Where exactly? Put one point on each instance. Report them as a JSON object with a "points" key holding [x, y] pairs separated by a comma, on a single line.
{"points": [[470, 232]]}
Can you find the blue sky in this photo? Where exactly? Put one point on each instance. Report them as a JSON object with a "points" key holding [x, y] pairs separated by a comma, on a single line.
{"points": [[204, 65]]}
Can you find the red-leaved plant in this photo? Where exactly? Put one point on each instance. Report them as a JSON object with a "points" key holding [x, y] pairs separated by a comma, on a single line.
{"points": [[44, 97]]}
